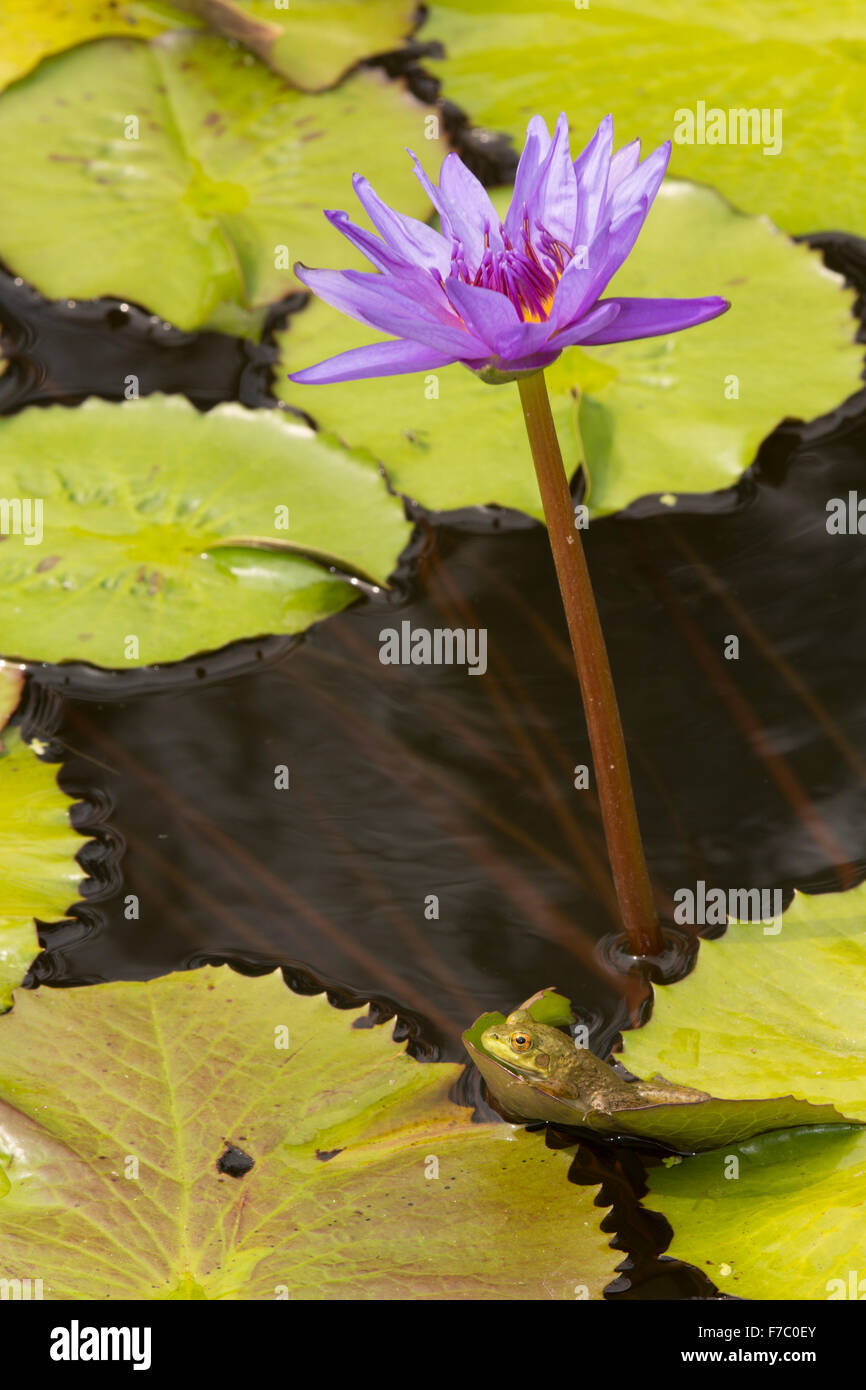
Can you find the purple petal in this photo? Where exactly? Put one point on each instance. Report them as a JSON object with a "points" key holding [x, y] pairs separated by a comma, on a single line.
{"points": [[408, 237], [621, 235], [418, 292], [642, 182], [581, 285], [598, 320], [362, 293], [650, 318], [433, 194], [333, 287], [525, 340], [536, 147], [534, 346], [552, 204], [378, 252], [394, 306], [376, 359], [623, 163], [470, 211], [591, 168], [533, 363], [491, 315], [536, 362]]}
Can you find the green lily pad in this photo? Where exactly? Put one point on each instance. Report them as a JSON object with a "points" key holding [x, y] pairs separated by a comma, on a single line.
{"points": [[646, 63], [788, 1220], [163, 529], [661, 409], [656, 415], [201, 213], [39, 876], [366, 1182], [28, 34], [546, 1006], [770, 1014], [11, 685], [685, 1125], [312, 43]]}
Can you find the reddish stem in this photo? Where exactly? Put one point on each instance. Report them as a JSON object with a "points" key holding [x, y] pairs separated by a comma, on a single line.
{"points": [[619, 815]]}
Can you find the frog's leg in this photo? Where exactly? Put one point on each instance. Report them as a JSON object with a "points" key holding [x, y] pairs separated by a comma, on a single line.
{"points": [[597, 1098], [657, 1091]]}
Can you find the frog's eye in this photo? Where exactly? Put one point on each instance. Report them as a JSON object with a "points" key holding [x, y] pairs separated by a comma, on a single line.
{"points": [[521, 1042]]}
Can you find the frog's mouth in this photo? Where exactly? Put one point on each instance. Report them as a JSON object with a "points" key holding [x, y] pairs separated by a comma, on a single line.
{"points": [[492, 1035]]}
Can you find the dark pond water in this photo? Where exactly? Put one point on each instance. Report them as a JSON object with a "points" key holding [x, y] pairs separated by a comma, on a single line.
{"points": [[409, 782]]}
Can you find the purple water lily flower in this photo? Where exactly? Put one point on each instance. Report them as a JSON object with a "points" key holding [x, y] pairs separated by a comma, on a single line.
{"points": [[503, 298]]}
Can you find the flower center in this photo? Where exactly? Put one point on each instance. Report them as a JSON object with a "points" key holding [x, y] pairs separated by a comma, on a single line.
{"points": [[527, 273]]}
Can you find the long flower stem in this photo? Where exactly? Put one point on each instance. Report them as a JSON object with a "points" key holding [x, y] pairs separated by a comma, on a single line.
{"points": [[619, 815]]}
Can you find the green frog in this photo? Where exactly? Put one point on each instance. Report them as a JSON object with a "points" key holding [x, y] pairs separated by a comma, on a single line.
{"points": [[552, 1060]]}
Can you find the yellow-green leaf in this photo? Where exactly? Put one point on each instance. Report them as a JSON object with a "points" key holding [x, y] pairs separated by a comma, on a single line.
{"points": [[363, 1180]]}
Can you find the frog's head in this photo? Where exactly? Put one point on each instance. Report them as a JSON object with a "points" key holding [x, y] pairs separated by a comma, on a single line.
{"points": [[527, 1046]]}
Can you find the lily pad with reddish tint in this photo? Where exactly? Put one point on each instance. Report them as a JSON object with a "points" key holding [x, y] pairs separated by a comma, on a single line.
{"points": [[210, 1135]]}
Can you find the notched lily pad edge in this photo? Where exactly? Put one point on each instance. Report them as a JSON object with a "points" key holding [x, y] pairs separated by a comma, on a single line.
{"points": [[87, 820]]}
